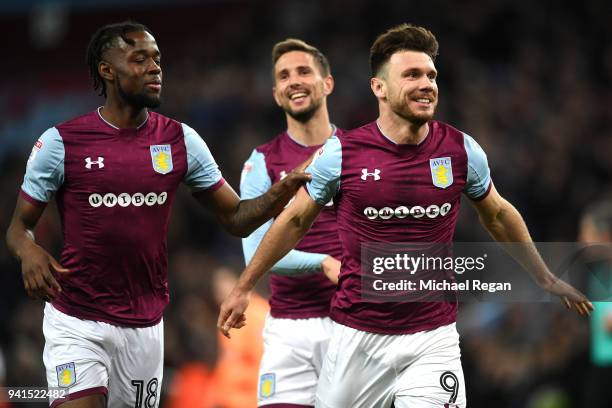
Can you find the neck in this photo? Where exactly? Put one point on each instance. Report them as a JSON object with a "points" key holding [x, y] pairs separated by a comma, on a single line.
{"points": [[122, 115], [313, 132], [400, 130]]}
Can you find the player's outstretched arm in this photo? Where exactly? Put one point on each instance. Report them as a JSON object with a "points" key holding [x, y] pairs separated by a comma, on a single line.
{"points": [[505, 224], [242, 217], [36, 263], [255, 181], [290, 226]]}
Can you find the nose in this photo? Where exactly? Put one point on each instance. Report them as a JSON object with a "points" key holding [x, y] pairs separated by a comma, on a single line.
{"points": [[426, 85], [154, 67], [294, 80]]}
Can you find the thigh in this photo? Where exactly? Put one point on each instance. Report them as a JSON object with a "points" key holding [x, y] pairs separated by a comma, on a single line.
{"points": [[291, 362], [76, 354], [90, 401], [356, 371], [137, 369], [434, 379]]}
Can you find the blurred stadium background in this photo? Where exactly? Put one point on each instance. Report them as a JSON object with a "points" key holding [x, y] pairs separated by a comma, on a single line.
{"points": [[531, 81]]}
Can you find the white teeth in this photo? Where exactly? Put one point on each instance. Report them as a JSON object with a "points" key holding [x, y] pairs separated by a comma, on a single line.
{"points": [[297, 95], [423, 100]]}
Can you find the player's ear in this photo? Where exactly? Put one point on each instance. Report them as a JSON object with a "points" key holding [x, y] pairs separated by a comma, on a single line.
{"points": [[328, 85], [378, 87], [106, 71], [275, 97]]}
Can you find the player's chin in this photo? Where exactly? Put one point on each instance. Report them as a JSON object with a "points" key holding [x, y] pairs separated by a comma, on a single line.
{"points": [[153, 101], [302, 114]]}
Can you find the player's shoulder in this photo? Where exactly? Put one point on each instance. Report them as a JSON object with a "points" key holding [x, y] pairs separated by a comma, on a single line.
{"points": [[273, 145], [164, 121], [339, 132], [86, 120], [443, 129], [357, 133]]}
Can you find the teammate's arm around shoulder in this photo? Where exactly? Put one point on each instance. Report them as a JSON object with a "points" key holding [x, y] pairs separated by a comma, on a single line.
{"points": [[238, 217], [254, 181], [290, 226], [242, 217]]}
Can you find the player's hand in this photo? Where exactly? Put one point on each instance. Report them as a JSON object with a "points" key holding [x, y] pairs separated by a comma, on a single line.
{"points": [[569, 295], [232, 311], [289, 185], [39, 283], [331, 268]]}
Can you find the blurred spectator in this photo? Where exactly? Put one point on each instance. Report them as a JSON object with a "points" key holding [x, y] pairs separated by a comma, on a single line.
{"points": [[232, 381], [596, 228]]}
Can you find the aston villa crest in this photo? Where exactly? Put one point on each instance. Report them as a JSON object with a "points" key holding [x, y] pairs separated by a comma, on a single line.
{"points": [[161, 156], [441, 171], [267, 385], [66, 374]]}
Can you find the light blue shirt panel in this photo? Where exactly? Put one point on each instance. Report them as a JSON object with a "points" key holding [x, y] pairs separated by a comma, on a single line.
{"points": [[45, 169], [325, 170], [202, 170], [254, 182], [479, 175]]}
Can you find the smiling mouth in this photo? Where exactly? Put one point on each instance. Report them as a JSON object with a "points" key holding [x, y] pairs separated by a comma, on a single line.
{"points": [[298, 96], [425, 101]]}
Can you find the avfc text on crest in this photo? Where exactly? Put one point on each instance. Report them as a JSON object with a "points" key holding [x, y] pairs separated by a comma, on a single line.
{"points": [[161, 156], [441, 171]]}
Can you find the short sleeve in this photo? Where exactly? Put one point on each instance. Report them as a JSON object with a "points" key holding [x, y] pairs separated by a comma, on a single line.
{"points": [[202, 171], [325, 170], [254, 180], [478, 182], [45, 169]]}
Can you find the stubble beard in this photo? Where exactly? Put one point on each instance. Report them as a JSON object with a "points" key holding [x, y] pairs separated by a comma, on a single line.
{"points": [[138, 100], [401, 108], [306, 114]]}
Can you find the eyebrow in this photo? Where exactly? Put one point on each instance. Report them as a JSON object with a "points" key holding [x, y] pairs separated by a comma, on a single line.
{"points": [[297, 67], [428, 70], [144, 51]]}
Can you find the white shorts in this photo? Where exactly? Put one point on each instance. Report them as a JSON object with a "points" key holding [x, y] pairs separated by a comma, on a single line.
{"points": [[89, 357], [365, 370], [292, 360]]}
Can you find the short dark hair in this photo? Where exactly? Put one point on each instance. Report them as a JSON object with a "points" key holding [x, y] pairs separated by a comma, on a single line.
{"points": [[104, 39], [404, 37], [293, 44]]}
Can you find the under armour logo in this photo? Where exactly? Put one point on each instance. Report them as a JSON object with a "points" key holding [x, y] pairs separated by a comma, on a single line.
{"points": [[99, 162], [375, 174]]}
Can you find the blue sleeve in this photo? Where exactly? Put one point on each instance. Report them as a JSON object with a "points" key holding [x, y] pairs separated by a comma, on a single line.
{"points": [[202, 170], [478, 181], [45, 169], [254, 182], [325, 169]]}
